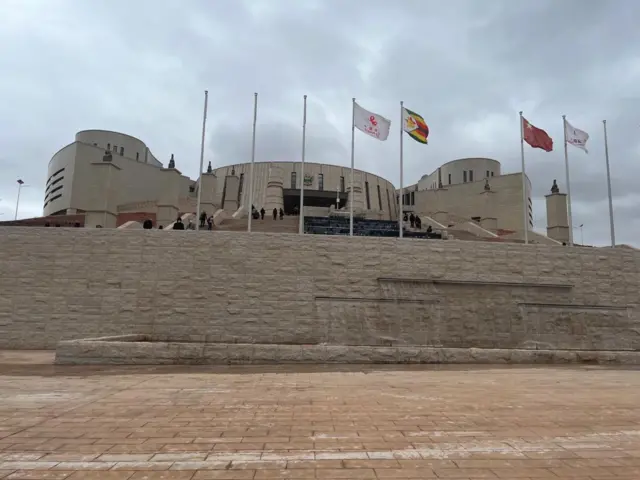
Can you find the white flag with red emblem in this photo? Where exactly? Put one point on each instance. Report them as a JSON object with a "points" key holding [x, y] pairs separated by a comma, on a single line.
{"points": [[370, 123], [576, 137]]}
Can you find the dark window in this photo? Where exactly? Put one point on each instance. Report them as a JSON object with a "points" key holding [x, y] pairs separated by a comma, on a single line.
{"points": [[57, 180], [492, 174], [379, 198], [108, 146], [471, 175], [121, 151], [293, 180], [95, 144], [397, 199], [54, 190], [449, 179], [137, 155], [413, 198], [240, 186], [487, 173], [389, 202], [55, 173], [464, 176], [320, 181], [342, 184], [407, 198], [52, 199], [115, 149], [366, 188]]}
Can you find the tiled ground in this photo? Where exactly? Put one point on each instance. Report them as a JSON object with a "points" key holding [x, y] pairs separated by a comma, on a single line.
{"points": [[311, 422]]}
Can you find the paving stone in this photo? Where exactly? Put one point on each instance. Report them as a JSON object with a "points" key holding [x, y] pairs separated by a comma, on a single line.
{"points": [[404, 422]]}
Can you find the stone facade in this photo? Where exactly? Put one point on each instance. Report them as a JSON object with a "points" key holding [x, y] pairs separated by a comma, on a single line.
{"points": [[60, 284]]}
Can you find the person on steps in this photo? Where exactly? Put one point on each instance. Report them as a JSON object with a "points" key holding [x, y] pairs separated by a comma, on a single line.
{"points": [[281, 213], [178, 225], [262, 212], [275, 213]]}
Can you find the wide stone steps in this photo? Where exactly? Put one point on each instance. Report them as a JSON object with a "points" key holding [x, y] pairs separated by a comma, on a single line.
{"points": [[289, 224]]}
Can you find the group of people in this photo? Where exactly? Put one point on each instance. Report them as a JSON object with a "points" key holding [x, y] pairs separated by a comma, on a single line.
{"points": [[259, 214], [415, 222], [208, 220]]}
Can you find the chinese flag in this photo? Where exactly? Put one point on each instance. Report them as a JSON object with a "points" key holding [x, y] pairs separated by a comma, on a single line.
{"points": [[536, 137]]}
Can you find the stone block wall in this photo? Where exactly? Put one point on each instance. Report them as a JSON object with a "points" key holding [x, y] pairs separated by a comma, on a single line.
{"points": [[232, 287]]}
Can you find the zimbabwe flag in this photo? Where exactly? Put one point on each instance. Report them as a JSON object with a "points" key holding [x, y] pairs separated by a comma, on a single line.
{"points": [[415, 126]]}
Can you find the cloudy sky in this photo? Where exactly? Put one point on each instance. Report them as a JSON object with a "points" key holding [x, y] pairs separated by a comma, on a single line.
{"points": [[468, 66]]}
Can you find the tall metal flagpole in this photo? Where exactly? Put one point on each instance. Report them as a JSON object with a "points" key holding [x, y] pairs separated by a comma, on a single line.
{"points": [[304, 144], [566, 166], [253, 160], [353, 142], [606, 156], [204, 126], [400, 217], [525, 210]]}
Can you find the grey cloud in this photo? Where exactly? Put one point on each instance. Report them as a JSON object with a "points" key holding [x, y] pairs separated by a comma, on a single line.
{"points": [[467, 66]]}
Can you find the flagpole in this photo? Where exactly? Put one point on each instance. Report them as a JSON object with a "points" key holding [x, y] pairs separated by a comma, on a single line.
{"points": [[401, 167], [525, 210], [353, 142], [606, 156], [204, 126], [304, 142], [566, 167], [253, 159]]}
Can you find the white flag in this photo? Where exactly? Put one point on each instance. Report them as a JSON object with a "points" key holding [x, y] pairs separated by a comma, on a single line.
{"points": [[576, 137], [370, 123]]}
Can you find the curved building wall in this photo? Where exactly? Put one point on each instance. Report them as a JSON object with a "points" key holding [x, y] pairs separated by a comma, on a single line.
{"points": [[59, 185], [463, 170], [71, 178], [323, 177], [119, 144]]}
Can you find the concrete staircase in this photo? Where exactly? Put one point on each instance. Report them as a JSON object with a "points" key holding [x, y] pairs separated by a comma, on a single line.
{"points": [[287, 225]]}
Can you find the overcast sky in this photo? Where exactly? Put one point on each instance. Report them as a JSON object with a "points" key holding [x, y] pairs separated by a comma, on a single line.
{"points": [[468, 67]]}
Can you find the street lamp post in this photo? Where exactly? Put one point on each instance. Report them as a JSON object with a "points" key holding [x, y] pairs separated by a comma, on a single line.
{"points": [[20, 184], [581, 233]]}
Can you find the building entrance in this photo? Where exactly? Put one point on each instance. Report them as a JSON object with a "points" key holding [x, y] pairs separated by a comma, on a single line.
{"points": [[312, 198]]}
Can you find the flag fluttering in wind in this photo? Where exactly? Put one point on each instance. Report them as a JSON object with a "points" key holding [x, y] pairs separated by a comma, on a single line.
{"points": [[415, 126], [536, 137], [370, 123], [576, 137], [20, 181]]}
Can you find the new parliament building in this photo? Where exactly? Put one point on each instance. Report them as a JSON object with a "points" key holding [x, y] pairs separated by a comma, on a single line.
{"points": [[113, 180]]}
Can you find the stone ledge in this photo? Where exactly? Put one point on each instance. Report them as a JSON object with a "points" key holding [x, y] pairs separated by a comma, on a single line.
{"points": [[122, 351], [481, 283]]}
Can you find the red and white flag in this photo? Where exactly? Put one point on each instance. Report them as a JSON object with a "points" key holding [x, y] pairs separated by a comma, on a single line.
{"points": [[576, 137], [370, 123]]}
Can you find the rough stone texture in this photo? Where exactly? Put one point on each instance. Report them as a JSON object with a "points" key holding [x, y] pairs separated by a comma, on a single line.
{"points": [[132, 352], [60, 284]]}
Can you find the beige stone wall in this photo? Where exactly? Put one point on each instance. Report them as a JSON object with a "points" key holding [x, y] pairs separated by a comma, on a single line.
{"points": [[452, 173], [278, 288], [136, 181], [464, 200]]}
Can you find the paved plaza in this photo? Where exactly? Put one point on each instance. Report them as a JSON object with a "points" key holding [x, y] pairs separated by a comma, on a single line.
{"points": [[296, 422]]}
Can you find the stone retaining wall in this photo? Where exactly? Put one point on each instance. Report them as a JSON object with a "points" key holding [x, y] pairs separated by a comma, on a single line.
{"points": [[59, 284], [135, 350]]}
